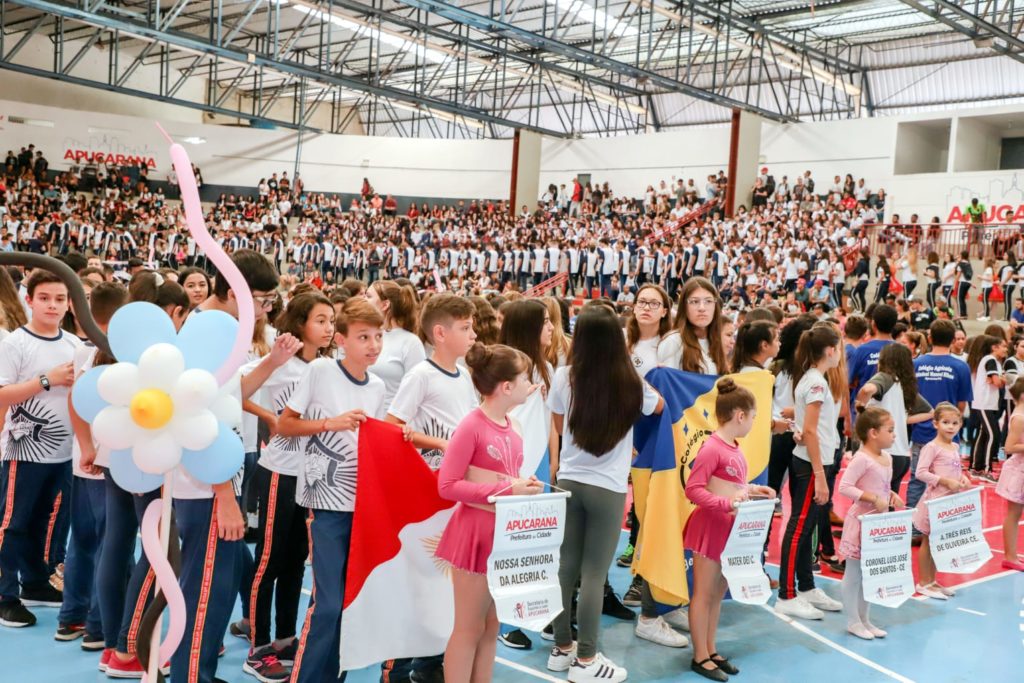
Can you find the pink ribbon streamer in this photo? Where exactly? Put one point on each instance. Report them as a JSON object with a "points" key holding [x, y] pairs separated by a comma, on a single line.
{"points": [[165, 579], [197, 226]]}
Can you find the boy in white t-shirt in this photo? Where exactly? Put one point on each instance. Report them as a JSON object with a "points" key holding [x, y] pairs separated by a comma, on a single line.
{"points": [[36, 373], [80, 613], [432, 399], [327, 406]]}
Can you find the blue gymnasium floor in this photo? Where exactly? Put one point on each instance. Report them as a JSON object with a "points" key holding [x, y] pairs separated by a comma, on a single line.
{"points": [[975, 636]]}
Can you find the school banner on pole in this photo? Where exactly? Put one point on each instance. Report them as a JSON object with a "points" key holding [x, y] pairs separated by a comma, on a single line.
{"points": [[522, 571], [741, 559], [886, 567], [957, 542]]}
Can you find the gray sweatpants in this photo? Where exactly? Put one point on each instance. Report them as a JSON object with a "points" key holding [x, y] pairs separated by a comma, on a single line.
{"points": [[854, 604], [593, 517]]}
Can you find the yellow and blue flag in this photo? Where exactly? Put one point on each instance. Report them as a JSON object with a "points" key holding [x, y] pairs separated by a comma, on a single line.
{"points": [[666, 446]]}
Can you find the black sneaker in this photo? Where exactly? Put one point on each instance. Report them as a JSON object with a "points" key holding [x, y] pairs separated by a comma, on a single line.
{"points": [[516, 639], [632, 597], [239, 629], [432, 676], [836, 565], [44, 596], [14, 615], [93, 642], [288, 653], [614, 608], [66, 632], [263, 665], [549, 632]]}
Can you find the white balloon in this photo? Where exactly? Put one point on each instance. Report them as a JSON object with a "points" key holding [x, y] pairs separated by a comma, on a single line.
{"points": [[227, 409], [118, 383], [115, 429], [194, 391], [160, 366], [158, 454], [195, 432]]}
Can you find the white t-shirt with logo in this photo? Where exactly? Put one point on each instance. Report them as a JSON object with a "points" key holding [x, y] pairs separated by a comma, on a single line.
{"points": [[645, 355], [610, 470], [813, 388], [433, 401], [670, 353], [39, 428], [986, 396], [327, 476], [402, 350], [282, 454]]}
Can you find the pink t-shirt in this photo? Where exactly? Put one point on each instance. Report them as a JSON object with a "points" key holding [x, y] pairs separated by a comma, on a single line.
{"points": [[479, 442]]}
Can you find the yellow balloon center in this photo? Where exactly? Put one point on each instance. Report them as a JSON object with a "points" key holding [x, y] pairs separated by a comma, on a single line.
{"points": [[151, 408]]}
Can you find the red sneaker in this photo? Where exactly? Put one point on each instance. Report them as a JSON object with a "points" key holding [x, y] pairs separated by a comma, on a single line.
{"points": [[131, 668], [108, 652]]}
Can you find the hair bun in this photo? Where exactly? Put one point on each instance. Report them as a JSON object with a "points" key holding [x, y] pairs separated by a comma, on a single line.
{"points": [[726, 385], [478, 356]]}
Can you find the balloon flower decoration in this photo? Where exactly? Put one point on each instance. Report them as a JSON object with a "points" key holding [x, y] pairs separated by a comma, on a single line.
{"points": [[166, 404]]}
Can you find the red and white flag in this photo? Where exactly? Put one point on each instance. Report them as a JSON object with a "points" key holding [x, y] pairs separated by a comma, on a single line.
{"points": [[398, 596]]}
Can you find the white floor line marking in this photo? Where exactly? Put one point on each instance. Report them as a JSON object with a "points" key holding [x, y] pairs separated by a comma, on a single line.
{"points": [[984, 579], [993, 528], [307, 591], [527, 670], [971, 611], [839, 648]]}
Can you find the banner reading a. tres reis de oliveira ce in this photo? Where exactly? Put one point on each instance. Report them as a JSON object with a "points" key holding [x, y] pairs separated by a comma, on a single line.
{"points": [[522, 571], [957, 542], [886, 571]]}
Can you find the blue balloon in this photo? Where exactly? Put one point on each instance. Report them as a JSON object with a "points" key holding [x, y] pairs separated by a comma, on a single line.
{"points": [[85, 397], [129, 477], [219, 461], [137, 326], [206, 340]]}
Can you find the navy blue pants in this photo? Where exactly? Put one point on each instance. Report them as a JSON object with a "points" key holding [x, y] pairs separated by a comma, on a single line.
{"points": [[123, 585], [210, 575], [60, 525], [318, 658], [28, 490], [88, 519]]}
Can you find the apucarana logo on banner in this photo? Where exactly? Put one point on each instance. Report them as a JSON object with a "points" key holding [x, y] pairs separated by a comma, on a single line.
{"points": [[886, 568], [957, 541], [522, 571]]}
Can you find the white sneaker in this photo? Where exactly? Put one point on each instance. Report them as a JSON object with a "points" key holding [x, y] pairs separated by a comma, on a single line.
{"points": [[820, 599], [599, 670], [930, 591], [861, 631], [657, 631], [678, 618], [561, 660], [798, 608]]}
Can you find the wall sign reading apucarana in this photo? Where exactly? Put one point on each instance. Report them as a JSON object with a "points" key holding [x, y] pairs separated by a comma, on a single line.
{"points": [[84, 156]]}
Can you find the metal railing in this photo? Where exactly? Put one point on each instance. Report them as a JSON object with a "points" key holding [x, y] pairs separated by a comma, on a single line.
{"points": [[980, 241]]}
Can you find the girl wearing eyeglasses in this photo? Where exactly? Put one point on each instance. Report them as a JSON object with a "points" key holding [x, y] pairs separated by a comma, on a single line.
{"points": [[648, 324], [696, 344]]}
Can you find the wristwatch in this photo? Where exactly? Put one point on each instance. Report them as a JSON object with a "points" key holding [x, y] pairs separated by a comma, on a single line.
{"points": [[45, 382]]}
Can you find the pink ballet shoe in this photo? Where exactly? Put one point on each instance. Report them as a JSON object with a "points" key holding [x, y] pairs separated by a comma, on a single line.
{"points": [[1018, 565]]}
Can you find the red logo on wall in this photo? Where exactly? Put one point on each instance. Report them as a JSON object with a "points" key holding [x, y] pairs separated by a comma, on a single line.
{"points": [[82, 155]]}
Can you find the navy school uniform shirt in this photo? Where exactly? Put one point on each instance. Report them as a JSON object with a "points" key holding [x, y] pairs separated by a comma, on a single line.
{"points": [[940, 378], [864, 363]]}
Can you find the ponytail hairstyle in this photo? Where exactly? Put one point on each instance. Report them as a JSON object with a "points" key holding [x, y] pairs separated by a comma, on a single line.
{"points": [[811, 349], [402, 304], [151, 287], [521, 327], [607, 394], [1015, 391], [749, 338], [692, 357], [664, 325], [789, 339], [872, 418], [294, 318], [732, 397], [494, 364], [895, 359], [838, 377]]}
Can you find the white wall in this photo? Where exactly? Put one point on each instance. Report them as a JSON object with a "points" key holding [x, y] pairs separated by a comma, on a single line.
{"points": [[240, 156]]}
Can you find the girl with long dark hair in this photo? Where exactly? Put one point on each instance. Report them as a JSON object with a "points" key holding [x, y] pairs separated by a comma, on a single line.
{"points": [[696, 344]]}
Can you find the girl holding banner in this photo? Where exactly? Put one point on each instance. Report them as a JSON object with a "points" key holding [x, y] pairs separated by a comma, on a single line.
{"points": [[939, 467], [718, 481], [1011, 479], [482, 459], [866, 483]]}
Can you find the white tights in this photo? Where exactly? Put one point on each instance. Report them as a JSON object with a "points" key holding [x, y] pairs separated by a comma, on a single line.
{"points": [[854, 604]]}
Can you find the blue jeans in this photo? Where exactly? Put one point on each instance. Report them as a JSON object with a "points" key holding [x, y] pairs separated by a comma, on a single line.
{"points": [[210, 574], [317, 659], [121, 609], [88, 519], [28, 490], [916, 487]]}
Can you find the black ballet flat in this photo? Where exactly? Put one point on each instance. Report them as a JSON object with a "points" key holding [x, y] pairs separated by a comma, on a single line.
{"points": [[723, 664], [715, 674]]}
